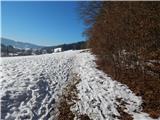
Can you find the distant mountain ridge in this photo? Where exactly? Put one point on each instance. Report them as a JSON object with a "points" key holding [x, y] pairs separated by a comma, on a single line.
{"points": [[20, 45], [13, 48]]}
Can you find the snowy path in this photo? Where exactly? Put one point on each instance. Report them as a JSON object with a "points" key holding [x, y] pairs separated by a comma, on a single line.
{"points": [[31, 86]]}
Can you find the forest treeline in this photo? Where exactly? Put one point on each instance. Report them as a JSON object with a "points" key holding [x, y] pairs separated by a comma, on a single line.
{"points": [[125, 36], [9, 50]]}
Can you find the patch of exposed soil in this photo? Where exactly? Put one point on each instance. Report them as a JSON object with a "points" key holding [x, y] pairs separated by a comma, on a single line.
{"points": [[68, 99], [123, 114]]}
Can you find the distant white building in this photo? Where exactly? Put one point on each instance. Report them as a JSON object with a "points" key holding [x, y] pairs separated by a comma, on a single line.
{"points": [[57, 50]]}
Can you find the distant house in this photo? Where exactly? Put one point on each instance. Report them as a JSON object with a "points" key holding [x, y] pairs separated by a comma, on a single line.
{"points": [[57, 50]]}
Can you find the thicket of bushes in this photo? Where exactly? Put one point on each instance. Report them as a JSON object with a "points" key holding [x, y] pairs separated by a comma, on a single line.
{"points": [[125, 36]]}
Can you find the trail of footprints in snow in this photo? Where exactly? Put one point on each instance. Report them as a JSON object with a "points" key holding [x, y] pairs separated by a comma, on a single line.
{"points": [[31, 85]]}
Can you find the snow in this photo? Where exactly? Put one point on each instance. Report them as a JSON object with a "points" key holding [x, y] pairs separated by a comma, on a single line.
{"points": [[32, 85], [57, 50]]}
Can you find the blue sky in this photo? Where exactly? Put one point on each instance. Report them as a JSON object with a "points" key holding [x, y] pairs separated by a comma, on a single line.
{"points": [[43, 23]]}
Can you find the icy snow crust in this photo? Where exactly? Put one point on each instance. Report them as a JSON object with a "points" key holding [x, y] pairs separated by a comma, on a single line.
{"points": [[31, 87]]}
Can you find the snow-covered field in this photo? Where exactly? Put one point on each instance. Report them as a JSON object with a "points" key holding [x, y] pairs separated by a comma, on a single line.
{"points": [[32, 85]]}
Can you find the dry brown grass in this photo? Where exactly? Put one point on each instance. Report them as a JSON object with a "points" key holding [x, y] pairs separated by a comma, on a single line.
{"points": [[123, 114], [64, 111], [68, 99]]}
